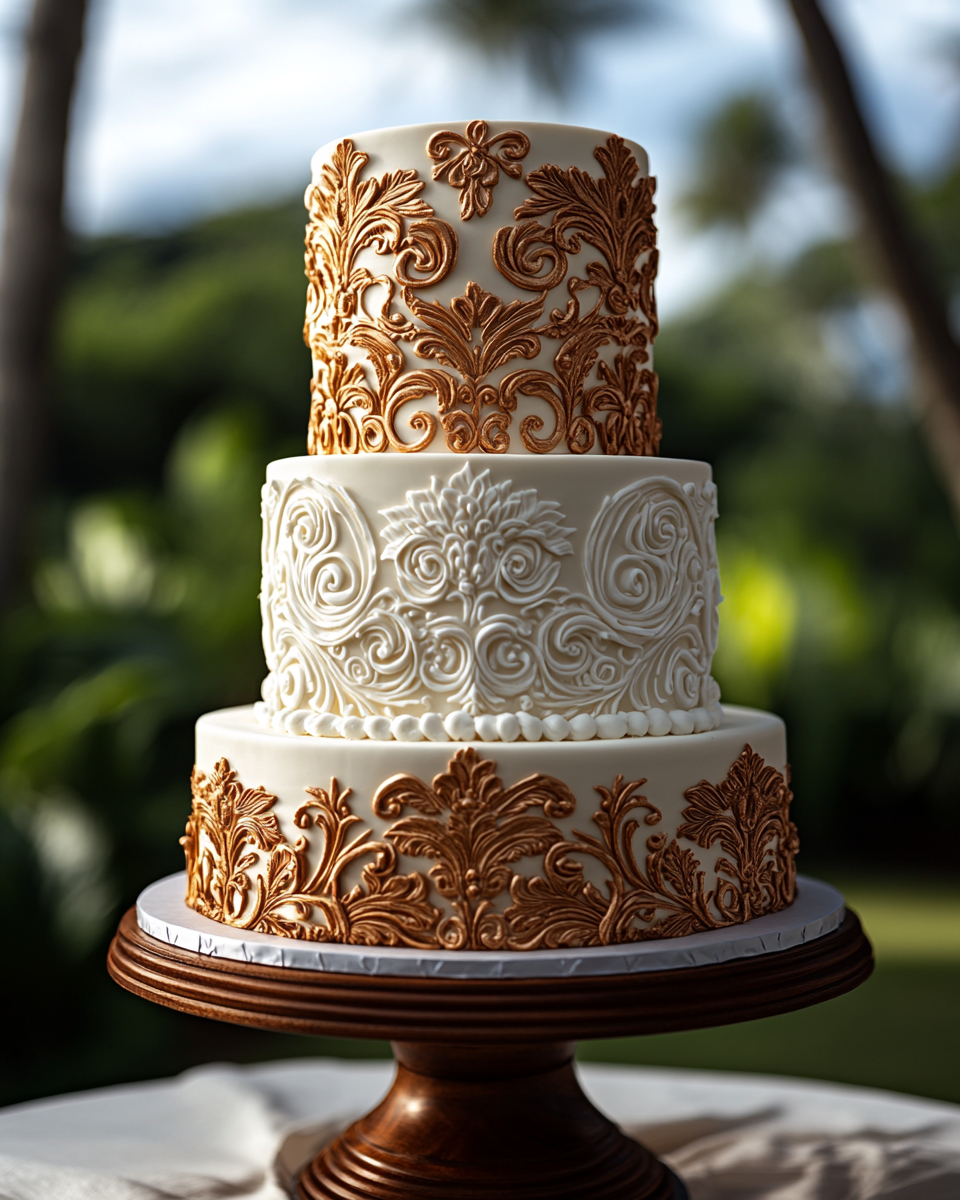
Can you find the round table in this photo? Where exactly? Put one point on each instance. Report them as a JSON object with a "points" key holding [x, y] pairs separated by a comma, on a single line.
{"points": [[244, 1132]]}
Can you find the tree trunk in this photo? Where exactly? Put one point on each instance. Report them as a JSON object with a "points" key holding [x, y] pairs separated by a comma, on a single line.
{"points": [[901, 258], [31, 266]]}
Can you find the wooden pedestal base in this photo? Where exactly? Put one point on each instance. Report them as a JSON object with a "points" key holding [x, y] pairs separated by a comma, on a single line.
{"points": [[465, 1122], [486, 1103]]}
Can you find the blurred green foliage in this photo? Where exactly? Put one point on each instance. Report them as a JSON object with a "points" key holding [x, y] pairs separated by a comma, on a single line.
{"points": [[741, 151], [544, 38], [181, 372]]}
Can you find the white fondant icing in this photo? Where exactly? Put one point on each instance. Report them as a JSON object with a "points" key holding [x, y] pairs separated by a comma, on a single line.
{"points": [[531, 727], [495, 727], [582, 727], [556, 728], [472, 541], [406, 729], [508, 727], [486, 727], [637, 724], [460, 726], [378, 728], [431, 725], [681, 721], [295, 722], [611, 725]]}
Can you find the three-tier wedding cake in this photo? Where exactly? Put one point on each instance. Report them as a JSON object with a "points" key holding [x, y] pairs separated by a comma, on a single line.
{"points": [[489, 607]]}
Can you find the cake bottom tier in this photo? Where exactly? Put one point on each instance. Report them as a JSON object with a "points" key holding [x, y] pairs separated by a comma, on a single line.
{"points": [[505, 846]]}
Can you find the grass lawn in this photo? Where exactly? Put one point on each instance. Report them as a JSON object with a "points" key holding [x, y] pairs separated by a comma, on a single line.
{"points": [[898, 1031]]}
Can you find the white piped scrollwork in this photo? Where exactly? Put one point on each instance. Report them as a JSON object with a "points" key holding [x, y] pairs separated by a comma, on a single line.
{"points": [[462, 613]]}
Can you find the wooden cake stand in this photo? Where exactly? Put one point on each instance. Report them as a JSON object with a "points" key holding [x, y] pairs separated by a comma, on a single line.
{"points": [[485, 1102]]}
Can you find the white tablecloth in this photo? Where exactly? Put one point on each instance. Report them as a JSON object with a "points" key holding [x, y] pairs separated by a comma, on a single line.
{"points": [[225, 1131]]}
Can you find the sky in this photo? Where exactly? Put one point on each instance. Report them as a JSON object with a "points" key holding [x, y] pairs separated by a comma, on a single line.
{"points": [[187, 107]]}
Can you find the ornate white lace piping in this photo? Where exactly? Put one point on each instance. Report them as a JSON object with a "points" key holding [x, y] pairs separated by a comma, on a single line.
{"points": [[462, 609]]}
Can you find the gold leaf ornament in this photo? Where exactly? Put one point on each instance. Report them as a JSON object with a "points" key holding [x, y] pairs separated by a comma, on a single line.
{"points": [[385, 909], [665, 896], [227, 823], [628, 394], [474, 829], [505, 334], [349, 411], [748, 814], [614, 215], [471, 162]]}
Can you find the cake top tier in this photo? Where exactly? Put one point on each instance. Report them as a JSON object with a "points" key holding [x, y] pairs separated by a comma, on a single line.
{"points": [[482, 288]]}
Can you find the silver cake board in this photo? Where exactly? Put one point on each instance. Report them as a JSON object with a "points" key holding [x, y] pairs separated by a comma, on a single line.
{"points": [[163, 914]]}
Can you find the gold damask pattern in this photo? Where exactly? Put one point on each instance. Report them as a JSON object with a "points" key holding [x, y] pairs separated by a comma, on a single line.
{"points": [[470, 163], [474, 830], [615, 216], [354, 324], [746, 814]]}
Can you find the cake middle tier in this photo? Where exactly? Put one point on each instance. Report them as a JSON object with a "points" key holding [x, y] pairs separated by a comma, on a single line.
{"points": [[504, 598]]}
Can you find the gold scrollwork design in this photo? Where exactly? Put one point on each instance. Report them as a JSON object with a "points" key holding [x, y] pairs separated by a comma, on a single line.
{"points": [[474, 831], [613, 214], [747, 814], [628, 393], [229, 823], [505, 334], [470, 163], [347, 216]]}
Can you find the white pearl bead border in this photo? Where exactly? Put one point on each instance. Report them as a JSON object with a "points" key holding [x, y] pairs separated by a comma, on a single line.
{"points": [[502, 727]]}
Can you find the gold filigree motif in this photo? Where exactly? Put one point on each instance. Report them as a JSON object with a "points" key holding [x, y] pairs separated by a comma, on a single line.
{"points": [[347, 216], [474, 169], [629, 394], [484, 830], [562, 908], [614, 214], [474, 830], [229, 823], [505, 334], [236, 821], [746, 814]]}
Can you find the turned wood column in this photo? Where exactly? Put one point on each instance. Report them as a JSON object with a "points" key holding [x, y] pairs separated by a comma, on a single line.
{"points": [[495, 1120]]}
